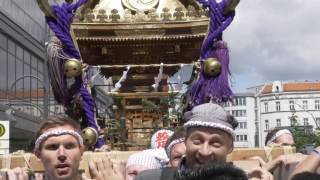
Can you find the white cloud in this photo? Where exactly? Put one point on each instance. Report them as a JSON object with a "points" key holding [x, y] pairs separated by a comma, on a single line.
{"points": [[274, 39]]}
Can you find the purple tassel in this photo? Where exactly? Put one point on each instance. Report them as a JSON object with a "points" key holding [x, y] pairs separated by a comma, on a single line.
{"points": [[215, 89]]}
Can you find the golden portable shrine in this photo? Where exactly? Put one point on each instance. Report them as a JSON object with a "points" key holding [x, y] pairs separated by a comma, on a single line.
{"points": [[121, 68], [144, 36]]}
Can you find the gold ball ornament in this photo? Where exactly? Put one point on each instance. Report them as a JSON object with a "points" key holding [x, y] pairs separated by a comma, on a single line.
{"points": [[72, 68], [212, 67], [90, 136]]}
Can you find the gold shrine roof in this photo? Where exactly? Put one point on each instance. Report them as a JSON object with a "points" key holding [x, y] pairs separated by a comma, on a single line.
{"points": [[114, 35]]}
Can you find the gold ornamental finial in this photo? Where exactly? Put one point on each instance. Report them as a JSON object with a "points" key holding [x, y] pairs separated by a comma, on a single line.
{"points": [[90, 136], [212, 67], [72, 68]]}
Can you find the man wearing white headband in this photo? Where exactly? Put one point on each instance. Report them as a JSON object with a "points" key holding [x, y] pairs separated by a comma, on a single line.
{"points": [[279, 136], [175, 147], [59, 146]]}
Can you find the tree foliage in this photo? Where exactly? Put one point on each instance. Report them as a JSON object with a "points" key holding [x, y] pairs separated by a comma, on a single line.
{"points": [[304, 135]]}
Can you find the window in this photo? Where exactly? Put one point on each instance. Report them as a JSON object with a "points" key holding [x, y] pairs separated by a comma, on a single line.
{"points": [[15, 63], [11, 71], [265, 107], [3, 69], [19, 53], [242, 138], [278, 122], [291, 105], [238, 138], [3, 41], [235, 102], [293, 120], [241, 101], [316, 104], [305, 105], [244, 102], [267, 125], [244, 113], [305, 122], [225, 104], [19, 73], [11, 47], [277, 106], [239, 113], [318, 121], [242, 125]]}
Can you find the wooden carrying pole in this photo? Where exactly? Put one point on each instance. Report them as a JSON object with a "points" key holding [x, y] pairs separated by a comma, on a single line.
{"points": [[239, 156]]}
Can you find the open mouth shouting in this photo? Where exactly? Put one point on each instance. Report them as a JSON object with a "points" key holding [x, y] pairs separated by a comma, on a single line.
{"points": [[62, 168]]}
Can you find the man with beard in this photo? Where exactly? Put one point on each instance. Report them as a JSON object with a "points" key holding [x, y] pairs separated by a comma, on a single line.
{"points": [[214, 171], [209, 139]]}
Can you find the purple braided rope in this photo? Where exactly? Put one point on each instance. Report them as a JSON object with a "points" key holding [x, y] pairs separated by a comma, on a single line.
{"points": [[88, 107], [205, 3], [61, 27], [211, 37], [217, 88], [215, 31]]}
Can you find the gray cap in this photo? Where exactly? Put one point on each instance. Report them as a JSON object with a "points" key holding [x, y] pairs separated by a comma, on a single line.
{"points": [[210, 115]]}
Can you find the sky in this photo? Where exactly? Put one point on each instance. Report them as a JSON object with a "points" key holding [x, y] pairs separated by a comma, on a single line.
{"points": [[274, 40]]}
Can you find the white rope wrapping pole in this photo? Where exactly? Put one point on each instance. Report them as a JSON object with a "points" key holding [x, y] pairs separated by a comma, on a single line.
{"points": [[157, 79], [117, 86], [143, 65]]}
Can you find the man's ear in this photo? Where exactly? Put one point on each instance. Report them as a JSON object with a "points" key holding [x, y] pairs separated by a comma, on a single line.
{"points": [[231, 147], [82, 149], [37, 153]]}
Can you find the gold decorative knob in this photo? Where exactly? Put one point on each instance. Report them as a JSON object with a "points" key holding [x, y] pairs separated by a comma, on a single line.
{"points": [[72, 68], [212, 67], [90, 136]]}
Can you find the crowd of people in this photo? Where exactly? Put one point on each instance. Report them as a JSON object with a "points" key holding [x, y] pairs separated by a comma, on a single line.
{"points": [[198, 150]]}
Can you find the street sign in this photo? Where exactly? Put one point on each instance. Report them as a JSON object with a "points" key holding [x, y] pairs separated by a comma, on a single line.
{"points": [[4, 137]]}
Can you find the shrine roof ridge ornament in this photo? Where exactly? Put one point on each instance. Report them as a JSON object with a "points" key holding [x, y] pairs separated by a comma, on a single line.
{"points": [[166, 15], [134, 38]]}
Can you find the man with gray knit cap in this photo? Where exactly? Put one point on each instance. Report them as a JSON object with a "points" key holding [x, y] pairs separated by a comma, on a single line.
{"points": [[209, 138], [210, 134]]}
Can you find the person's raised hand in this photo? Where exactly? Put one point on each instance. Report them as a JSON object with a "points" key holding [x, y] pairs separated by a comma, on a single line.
{"points": [[284, 161], [260, 173], [17, 173], [103, 169], [262, 163]]}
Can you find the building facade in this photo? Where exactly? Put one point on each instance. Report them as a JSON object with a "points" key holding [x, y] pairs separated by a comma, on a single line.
{"points": [[243, 109], [23, 78], [279, 102]]}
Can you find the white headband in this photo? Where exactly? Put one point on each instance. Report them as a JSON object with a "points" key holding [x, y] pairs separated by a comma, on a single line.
{"points": [[173, 143], [279, 133], [59, 132]]}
